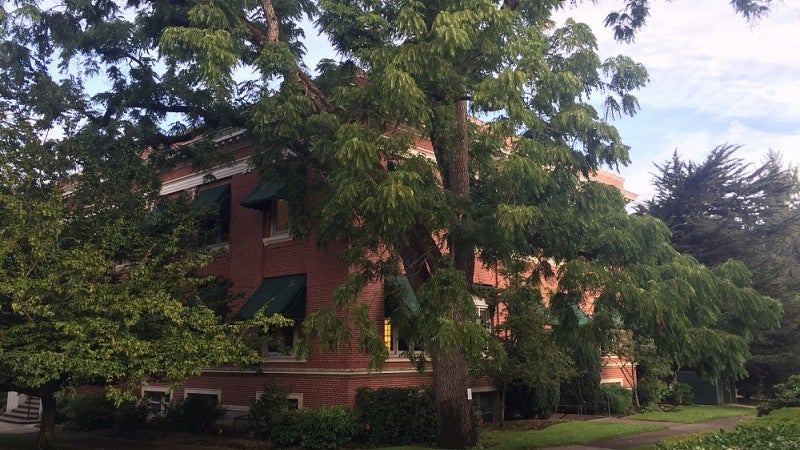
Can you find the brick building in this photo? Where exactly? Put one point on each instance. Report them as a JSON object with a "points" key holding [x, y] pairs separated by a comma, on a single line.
{"points": [[296, 278]]}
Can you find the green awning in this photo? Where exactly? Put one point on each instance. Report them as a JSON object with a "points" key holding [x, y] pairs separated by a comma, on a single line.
{"points": [[263, 194], [282, 295], [211, 196], [581, 317], [400, 298], [155, 216]]}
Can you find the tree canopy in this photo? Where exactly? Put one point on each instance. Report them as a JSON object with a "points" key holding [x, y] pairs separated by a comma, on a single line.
{"points": [[92, 291], [514, 187], [724, 208]]}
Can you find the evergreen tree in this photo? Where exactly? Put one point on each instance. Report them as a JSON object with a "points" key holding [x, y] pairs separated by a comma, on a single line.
{"points": [[724, 208]]}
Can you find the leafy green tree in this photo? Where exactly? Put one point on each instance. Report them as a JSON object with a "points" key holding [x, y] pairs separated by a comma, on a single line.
{"points": [[530, 356], [408, 65], [724, 208], [89, 292]]}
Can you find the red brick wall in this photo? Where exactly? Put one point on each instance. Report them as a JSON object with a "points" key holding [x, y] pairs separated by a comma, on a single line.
{"points": [[326, 378]]}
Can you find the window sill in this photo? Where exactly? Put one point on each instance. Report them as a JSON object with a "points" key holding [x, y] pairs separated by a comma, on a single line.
{"points": [[219, 248], [280, 357], [276, 239]]}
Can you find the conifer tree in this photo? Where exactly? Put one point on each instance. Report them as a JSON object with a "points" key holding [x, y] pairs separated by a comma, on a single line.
{"points": [[723, 208]]}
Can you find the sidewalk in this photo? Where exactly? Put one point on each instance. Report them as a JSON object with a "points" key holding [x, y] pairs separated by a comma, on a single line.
{"points": [[15, 428], [645, 439]]}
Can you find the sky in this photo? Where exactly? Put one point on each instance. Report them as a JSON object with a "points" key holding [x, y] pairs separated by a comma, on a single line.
{"points": [[715, 78]]}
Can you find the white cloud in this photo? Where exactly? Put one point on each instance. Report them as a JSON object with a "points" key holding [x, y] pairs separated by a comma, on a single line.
{"points": [[715, 79]]}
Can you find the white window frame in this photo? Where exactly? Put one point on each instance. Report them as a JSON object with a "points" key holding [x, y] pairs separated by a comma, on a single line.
{"points": [[216, 392], [298, 397], [166, 397], [296, 327], [482, 306]]}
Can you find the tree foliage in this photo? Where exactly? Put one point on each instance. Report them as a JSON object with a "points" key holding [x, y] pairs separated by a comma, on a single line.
{"points": [[513, 188], [89, 292], [724, 208]]}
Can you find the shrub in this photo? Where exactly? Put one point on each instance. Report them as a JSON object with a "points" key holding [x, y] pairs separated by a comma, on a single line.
{"points": [[524, 401], [584, 388], [779, 433], [679, 394], [397, 416], [268, 412], [131, 417], [652, 391], [195, 414], [619, 399], [786, 395], [331, 427], [89, 412]]}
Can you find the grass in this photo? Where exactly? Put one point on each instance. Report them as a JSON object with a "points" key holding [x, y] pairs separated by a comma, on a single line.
{"points": [[568, 433], [18, 440], [695, 414], [779, 429]]}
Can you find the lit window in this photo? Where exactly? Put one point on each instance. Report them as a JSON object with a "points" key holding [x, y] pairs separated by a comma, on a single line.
{"points": [[396, 339]]}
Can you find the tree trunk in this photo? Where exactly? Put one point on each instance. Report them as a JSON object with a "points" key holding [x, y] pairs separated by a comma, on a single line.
{"points": [[503, 387], [450, 140], [47, 430], [454, 427]]}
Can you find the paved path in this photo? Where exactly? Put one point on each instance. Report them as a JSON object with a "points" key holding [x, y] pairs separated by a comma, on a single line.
{"points": [[15, 428], [645, 439]]}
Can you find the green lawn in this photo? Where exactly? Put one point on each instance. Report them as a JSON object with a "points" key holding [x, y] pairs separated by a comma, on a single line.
{"points": [[18, 440], [568, 433], [696, 414]]}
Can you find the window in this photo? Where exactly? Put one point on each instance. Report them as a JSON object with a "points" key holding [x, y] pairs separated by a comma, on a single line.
{"points": [[294, 401], [206, 398], [396, 339], [157, 400], [400, 310], [484, 315], [280, 217], [279, 341], [215, 204]]}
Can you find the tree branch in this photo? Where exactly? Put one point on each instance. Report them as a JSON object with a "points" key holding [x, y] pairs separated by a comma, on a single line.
{"points": [[273, 37]]}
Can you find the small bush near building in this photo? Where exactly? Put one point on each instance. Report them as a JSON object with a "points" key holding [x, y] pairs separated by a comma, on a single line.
{"points": [[619, 399], [786, 395], [332, 427], [89, 412], [397, 416], [268, 412], [652, 391], [95, 411], [529, 402], [778, 431], [131, 417], [195, 414], [680, 394], [272, 419]]}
